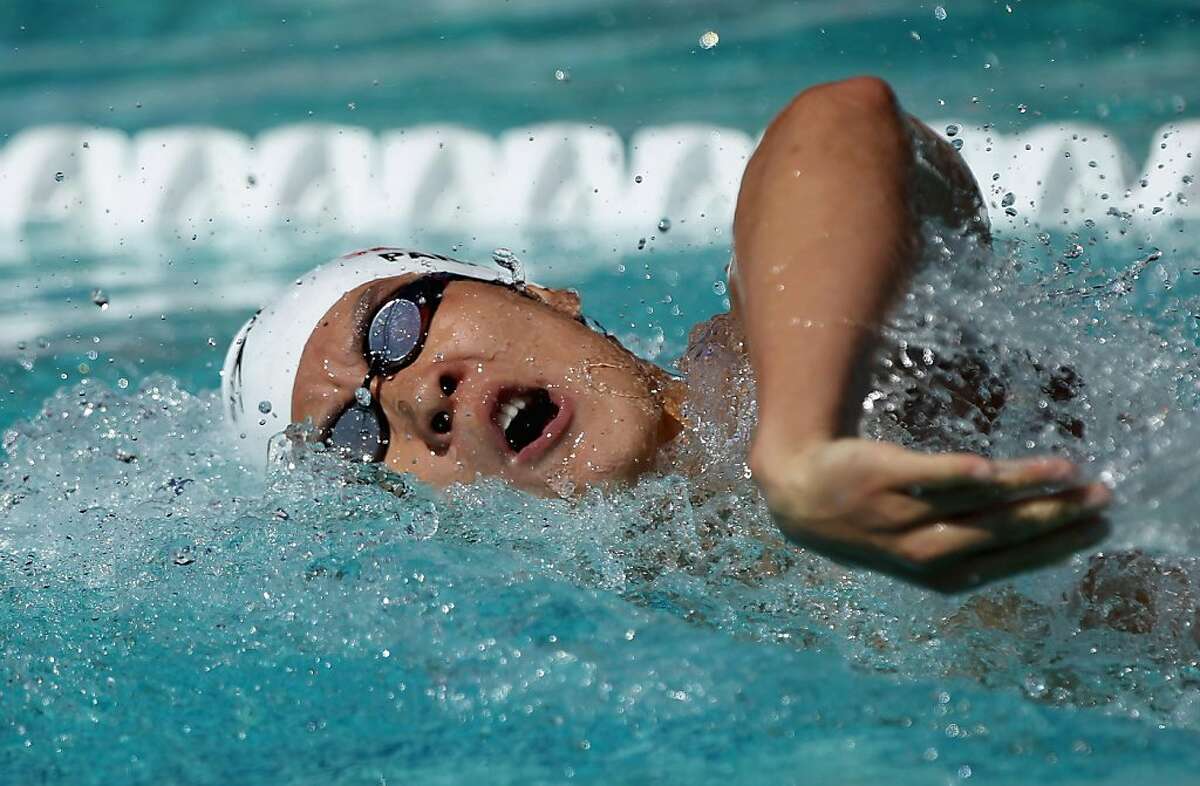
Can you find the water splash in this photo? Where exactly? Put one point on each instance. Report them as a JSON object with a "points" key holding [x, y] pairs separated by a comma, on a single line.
{"points": [[165, 611]]}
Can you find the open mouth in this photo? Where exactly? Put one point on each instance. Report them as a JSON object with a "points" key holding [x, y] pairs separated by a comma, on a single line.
{"points": [[523, 416]]}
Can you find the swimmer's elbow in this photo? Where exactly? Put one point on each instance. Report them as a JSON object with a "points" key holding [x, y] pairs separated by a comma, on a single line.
{"points": [[866, 92], [856, 96], [833, 121]]}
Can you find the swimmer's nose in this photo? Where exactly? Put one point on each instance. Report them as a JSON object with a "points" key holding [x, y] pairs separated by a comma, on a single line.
{"points": [[436, 406]]}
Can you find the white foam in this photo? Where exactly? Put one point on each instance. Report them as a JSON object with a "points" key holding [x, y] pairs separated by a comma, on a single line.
{"points": [[168, 181]]}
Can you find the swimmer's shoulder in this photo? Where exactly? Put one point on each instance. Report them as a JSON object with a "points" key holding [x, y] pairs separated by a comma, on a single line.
{"points": [[720, 334]]}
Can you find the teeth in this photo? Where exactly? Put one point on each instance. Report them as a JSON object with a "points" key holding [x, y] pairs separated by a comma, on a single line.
{"points": [[509, 410]]}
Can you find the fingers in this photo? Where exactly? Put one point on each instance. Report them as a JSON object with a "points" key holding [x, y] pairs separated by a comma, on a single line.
{"points": [[1022, 473], [1040, 552], [959, 496], [924, 547], [1008, 479], [933, 471], [908, 468]]}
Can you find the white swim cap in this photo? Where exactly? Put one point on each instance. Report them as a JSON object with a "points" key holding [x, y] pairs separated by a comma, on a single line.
{"points": [[260, 365]]}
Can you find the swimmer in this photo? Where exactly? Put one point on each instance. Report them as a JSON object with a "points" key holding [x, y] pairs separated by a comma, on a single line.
{"points": [[452, 371]]}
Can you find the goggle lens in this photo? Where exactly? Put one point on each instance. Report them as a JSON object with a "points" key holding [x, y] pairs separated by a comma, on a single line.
{"points": [[359, 435], [394, 335]]}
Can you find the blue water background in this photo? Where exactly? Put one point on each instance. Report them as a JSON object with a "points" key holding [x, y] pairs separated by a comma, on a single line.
{"points": [[262, 659]]}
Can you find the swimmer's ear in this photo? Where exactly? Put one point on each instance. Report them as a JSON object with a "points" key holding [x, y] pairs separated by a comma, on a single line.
{"points": [[565, 301]]}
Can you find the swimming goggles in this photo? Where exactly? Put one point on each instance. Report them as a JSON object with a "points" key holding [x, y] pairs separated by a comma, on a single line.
{"points": [[392, 343]]}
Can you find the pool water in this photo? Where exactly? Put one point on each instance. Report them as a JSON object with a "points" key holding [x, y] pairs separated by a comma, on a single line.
{"points": [[167, 616]]}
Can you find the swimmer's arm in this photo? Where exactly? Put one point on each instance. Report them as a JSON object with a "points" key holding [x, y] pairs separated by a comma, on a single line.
{"points": [[824, 237]]}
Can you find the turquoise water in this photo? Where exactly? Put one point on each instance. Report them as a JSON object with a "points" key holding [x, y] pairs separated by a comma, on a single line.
{"points": [[166, 618]]}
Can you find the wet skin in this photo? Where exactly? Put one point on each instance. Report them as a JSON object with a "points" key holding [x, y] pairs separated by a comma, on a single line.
{"points": [[489, 346], [825, 237]]}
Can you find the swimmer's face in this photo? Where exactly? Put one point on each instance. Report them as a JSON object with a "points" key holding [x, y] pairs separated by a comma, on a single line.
{"points": [[506, 385]]}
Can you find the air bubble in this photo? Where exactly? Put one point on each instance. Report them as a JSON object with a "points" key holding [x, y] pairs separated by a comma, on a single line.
{"points": [[664, 225], [264, 407], [100, 299], [59, 177], [363, 397], [709, 39], [939, 13]]}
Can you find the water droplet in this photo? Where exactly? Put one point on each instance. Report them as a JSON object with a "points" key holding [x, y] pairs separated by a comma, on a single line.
{"points": [[637, 178], [952, 129], [506, 259], [939, 13], [100, 299], [718, 288], [709, 39], [641, 243], [956, 144], [264, 407], [59, 177], [664, 225], [363, 397], [1008, 199], [1022, 108], [122, 383]]}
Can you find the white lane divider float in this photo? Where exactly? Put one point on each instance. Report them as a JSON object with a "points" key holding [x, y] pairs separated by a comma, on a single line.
{"points": [[103, 188]]}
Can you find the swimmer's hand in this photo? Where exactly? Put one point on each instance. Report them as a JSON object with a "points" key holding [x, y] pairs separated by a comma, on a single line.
{"points": [[945, 521]]}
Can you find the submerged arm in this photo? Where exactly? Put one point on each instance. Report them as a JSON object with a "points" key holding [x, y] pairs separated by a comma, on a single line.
{"points": [[824, 237]]}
